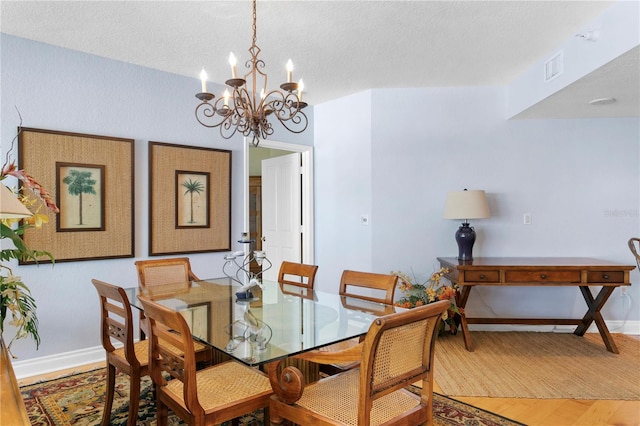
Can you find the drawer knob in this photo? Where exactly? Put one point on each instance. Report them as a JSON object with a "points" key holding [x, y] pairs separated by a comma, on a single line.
{"points": [[605, 276], [543, 276], [482, 276]]}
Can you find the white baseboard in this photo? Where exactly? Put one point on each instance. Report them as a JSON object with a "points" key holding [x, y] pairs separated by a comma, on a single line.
{"points": [[67, 360], [628, 327], [57, 362]]}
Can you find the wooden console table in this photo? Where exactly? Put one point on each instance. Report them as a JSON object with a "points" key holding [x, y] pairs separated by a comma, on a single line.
{"points": [[539, 271]]}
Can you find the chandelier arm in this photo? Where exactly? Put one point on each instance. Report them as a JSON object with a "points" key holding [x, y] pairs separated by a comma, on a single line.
{"points": [[206, 112], [285, 101], [212, 114], [287, 109], [298, 120]]}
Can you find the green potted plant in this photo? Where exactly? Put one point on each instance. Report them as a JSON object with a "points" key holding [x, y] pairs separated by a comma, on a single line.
{"points": [[23, 210]]}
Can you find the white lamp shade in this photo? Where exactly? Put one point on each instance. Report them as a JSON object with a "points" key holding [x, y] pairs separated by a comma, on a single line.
{"points": [[10, 206], [466, 205]]}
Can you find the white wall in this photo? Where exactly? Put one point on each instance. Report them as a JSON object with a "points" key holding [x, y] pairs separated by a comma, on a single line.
{"points": [[343, 189], [59, 89], [577, 178]]}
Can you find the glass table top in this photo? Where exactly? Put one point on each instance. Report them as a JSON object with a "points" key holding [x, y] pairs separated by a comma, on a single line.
{"points": [[277, 322]]}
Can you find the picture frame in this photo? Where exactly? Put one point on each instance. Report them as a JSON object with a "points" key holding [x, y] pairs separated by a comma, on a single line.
{"points": [[80, 197], [192, 199], [50, 155], [171, 165]]}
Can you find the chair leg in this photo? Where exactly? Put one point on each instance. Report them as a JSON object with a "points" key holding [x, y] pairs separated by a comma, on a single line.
{"points": [[108, 403], [134, 399], [162, 413], [266, 419]]}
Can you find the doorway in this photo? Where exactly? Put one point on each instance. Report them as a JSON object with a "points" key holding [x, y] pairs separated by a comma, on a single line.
{"points": [[254, 204]]}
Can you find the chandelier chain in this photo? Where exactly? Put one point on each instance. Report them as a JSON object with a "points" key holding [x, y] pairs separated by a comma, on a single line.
{"points": [[254, 26]]}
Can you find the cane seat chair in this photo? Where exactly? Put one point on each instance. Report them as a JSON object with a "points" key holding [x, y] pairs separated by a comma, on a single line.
{"points": [[398, 350], [164, 271], [209, 396], [132, 358], [161, 272], [369, 286], [298, 274]]}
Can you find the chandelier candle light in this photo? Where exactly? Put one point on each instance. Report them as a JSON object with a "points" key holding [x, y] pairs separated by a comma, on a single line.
{"points": [[248, 107], [466, 205]]}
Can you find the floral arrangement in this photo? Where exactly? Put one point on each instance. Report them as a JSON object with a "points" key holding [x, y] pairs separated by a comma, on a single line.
{"points": [[432, 290], [15, 296]]}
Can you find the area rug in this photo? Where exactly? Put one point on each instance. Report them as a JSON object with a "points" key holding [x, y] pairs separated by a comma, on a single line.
{"points": [[78, 400], [538, 365]]}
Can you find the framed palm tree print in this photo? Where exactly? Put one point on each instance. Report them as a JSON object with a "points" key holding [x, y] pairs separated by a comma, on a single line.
{"points": [[80, 195], [192, 199], [92, 179], [189, 199]]}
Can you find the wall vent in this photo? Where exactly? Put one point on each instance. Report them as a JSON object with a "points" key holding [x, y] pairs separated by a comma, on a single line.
{"points": [[553, 67]]}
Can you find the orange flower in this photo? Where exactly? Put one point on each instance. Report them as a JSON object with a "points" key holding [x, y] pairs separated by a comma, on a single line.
{"points": [[446, 293]]}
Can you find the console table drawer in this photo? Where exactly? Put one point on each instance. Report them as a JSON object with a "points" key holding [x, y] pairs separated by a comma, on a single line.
{"points": [[605, 277], [482, 276], [543, 276]]}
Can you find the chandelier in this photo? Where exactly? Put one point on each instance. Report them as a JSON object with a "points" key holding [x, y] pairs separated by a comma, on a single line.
{"points": [[248, 108]]}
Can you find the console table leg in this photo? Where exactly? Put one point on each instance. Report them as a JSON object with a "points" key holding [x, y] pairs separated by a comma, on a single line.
{"points": [[461, 301], [593, 315]]}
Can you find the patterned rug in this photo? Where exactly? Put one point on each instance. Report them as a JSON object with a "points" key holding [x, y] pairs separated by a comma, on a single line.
{"points": [[78, 400]]}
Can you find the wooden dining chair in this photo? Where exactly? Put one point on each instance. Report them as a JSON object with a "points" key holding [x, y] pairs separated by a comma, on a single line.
{"points": [[164, 271], [209, 396], [369, 286], [298, 274], [161, 272], [116, 324], [302, 276], [398, 350]]}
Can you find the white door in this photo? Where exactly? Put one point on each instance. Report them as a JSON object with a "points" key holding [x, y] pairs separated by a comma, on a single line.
{"points": [[281, 211]]}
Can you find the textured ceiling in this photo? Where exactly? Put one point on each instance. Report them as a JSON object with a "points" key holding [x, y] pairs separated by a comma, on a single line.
{"points": [[338, 47]]}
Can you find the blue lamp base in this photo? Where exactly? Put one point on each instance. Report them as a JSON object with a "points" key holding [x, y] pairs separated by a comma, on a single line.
{"points": [[465, 237]]}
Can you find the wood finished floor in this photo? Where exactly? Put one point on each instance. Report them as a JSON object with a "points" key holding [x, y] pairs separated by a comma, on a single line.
{"points": [[533, 412]]}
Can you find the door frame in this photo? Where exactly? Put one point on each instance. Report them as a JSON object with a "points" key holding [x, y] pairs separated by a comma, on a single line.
{"points": [[306, 151]]}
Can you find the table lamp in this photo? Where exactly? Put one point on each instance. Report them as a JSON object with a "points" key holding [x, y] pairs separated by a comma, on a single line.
{"points": [[10, 206], [466, 205]]}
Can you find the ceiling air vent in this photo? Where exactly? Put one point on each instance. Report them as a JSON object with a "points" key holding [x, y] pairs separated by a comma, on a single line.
{"points": [[553, 67]]}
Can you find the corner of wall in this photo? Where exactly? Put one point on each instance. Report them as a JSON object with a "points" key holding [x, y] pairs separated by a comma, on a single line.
{"points": [[615, 32]]}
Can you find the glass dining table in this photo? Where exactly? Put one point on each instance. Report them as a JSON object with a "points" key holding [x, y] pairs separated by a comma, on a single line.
{"points": [[278, 321], [275, 322]]}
